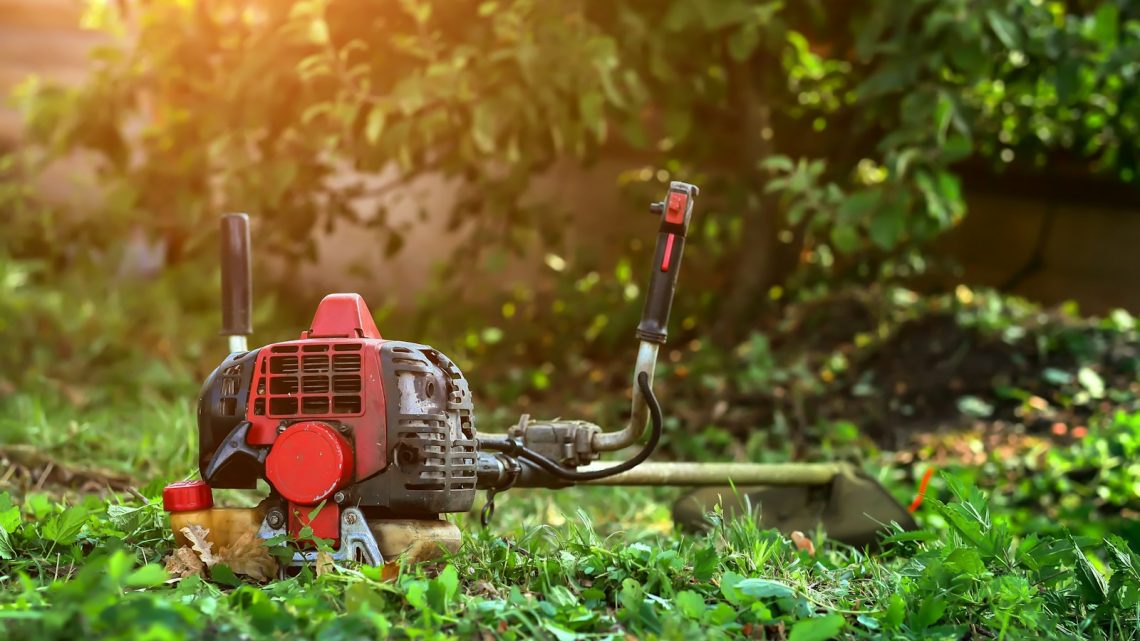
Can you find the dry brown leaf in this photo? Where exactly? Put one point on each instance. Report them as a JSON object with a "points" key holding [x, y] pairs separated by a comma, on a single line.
{"points": [[249, 556], [184, 562], [197, 534], [390, 571], [485, 588], [324, 563], [803, 543]]}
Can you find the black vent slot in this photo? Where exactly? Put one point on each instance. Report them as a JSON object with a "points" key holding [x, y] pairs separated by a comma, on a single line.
{"points": [[346, 384], [346, 405], [283, 385], [318, 363], [283, 406], [315, 384], [346, 362], [282, 364], [318, 405], [303, 384], [229, 384]]}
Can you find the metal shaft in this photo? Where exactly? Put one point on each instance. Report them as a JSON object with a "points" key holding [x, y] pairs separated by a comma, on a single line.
{"points": [[639, 411], [651, 473]]}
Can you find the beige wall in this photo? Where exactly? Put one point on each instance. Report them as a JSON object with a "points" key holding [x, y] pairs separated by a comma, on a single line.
{"points": [[352, 258], [40, 37], [1089, 253]]}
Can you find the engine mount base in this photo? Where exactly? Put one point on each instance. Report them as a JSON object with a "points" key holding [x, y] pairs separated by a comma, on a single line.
{"points": [[380, 541]]}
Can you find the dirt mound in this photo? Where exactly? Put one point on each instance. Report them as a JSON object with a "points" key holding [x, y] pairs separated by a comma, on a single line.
{"points": [[940, 364]]}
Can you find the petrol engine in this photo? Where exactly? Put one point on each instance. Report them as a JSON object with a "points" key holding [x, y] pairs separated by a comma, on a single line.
{"points": [[365, 442]]}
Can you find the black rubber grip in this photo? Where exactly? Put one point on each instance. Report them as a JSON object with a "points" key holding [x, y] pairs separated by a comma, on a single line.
{"points": [[675, 210], [237, 277]]}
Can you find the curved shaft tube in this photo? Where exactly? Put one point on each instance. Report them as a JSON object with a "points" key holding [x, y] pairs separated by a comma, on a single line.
{"points": [[639, 411], [675, 213]]}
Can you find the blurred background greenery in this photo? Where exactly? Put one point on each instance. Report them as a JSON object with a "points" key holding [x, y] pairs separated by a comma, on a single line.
{"points": [[479, 171]]}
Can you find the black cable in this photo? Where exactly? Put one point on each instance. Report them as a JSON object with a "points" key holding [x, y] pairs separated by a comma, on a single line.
{"points": [[512, 448]]}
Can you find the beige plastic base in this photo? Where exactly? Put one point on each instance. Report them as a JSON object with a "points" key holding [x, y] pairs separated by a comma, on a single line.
{"points": [[415, 540], [226, 524], [397, 540]]}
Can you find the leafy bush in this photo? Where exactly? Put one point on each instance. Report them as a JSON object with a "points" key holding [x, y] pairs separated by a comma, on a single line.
{"points": [[818, 129]]}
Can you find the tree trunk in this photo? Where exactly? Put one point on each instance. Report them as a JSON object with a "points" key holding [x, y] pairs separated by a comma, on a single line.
{"points": [[758, 263]]}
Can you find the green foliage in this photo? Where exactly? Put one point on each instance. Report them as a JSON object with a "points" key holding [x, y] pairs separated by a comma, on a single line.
{"points": [[1088, 486], [977, 572], [1007, 78], [316, 112], [312, 114]]}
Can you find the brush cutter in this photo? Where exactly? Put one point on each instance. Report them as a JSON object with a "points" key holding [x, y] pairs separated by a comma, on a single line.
{"points": [[367, 442]]}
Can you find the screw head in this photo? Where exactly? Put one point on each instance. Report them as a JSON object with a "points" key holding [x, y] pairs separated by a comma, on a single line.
{"points": [[350, 518], [275, 518], [339, 497]]}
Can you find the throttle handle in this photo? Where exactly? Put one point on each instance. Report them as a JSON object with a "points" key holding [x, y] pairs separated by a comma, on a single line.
{"points": [[675, 211]]}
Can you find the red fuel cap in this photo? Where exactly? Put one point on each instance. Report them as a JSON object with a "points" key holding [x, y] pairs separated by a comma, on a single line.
{"points": [[187, 496], [308, 462]]}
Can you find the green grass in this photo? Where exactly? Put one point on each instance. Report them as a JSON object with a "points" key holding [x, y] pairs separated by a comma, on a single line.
{"points": [[78, 572], [153, 439], [1044, 553], [598, 563]]}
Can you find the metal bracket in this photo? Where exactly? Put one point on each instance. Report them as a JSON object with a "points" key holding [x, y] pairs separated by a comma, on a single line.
{"points": [[357, 543], [568, 442]]}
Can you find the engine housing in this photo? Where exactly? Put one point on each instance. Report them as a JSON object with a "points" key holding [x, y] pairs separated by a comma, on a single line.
{"points": [[404, 409]]}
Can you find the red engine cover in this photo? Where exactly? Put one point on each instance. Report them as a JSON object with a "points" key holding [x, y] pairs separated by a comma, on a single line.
{"points": [[325, 524], [332, 373], [309, 462]]}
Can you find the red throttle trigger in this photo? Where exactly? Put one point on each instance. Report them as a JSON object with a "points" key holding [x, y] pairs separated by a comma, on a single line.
{"points": [[676, 210], [668, 253]]}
